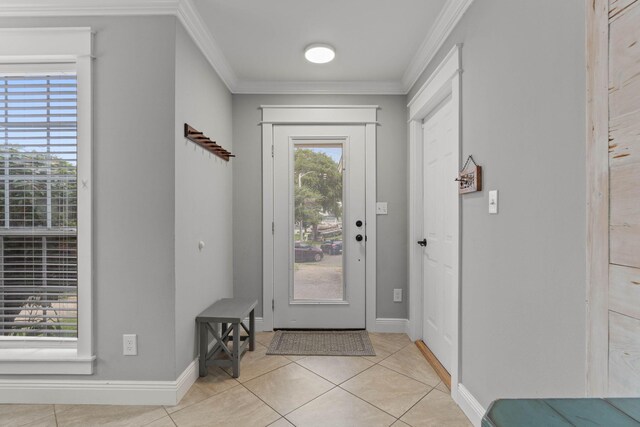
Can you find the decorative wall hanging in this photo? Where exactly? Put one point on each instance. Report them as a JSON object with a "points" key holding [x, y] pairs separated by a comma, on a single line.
{"points": [[470, 177], [199, 138]]}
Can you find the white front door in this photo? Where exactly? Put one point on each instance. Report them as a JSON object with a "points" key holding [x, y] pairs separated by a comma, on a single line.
{"points": [[319, 226], [439, 199]]}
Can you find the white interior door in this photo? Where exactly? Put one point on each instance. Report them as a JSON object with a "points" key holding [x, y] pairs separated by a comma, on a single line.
{"points": [[319, 226], [440, 221]]}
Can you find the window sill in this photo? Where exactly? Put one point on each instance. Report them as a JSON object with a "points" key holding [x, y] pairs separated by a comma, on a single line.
{"points": [[44, 361]]}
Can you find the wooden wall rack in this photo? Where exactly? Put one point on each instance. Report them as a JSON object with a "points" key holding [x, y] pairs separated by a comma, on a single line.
{"points": [[199, 138]]}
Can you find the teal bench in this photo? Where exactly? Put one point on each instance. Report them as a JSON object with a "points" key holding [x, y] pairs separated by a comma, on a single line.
{"points": [[563, 412]]}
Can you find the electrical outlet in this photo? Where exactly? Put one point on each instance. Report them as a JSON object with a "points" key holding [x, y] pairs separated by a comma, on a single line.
{"points": [[130, 345], [397, 295]]}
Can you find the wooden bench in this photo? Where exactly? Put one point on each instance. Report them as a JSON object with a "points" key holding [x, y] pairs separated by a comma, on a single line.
{"points": [[563, 412], [229, 313]]}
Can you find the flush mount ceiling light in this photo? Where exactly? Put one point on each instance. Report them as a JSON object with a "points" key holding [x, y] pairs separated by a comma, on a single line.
{"points": [[319, 53]]}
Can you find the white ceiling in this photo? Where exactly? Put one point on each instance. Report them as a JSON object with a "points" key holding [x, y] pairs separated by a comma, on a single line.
{"points": [[264, 40], [256, 46]]}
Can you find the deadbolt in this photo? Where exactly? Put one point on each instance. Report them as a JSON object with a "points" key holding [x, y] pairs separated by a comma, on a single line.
{"points": [[358, 223]]}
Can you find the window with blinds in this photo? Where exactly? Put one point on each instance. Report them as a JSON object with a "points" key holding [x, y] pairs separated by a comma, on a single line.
{"points": [[38, 206]]}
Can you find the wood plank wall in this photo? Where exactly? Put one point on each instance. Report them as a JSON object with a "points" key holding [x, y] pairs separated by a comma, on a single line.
{"points": [[624, 198]]}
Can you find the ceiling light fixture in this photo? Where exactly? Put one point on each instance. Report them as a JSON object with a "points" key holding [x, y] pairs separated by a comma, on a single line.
{"points": [[319, 53]]}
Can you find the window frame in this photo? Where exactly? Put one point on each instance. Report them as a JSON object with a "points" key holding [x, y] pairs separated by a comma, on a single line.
{"points": [[40, 48]]}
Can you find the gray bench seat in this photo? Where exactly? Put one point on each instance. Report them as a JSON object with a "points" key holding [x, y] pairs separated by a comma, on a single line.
{"points": [[229, 313]]}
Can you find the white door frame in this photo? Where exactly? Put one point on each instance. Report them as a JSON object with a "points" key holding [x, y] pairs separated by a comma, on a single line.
{"points": [[444, 82], [318, 115]]}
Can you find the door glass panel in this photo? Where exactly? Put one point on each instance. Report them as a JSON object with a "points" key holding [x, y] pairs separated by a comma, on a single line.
{"points": [[317, 235]]}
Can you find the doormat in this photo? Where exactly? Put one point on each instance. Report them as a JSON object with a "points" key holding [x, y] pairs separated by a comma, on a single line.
{"points": [[321, 343]]}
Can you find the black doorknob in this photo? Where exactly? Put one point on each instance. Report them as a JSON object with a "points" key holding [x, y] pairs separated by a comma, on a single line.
{"points": [[358, 223], [422, 242], [359, 237]]}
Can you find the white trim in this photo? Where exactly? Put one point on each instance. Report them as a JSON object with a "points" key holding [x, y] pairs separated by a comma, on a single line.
{"points": [[443, 83], [197, 29], [318, 87], [444, 24], [317, 114], [186, 380], [35, 361], [99, 392], [188, 15], [267, 226], [371, 220], [259, 323], [470, 405], [450, 65], [35, 8], [71, 45], [390, 325]]}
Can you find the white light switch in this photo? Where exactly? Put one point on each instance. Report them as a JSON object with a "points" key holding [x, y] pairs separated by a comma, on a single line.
{"points": [[493, 201], [397, 295], [381, 208]]}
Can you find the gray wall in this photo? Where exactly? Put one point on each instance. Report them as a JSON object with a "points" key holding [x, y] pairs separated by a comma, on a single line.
{"points": [[203, 202], [392, 188], [523, 270], [133, 171]]}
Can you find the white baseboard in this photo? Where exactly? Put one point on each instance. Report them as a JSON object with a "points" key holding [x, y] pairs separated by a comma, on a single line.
{"points": [[259, 323], [99, 392], [470, 406], [391, 325], [186, 379]]}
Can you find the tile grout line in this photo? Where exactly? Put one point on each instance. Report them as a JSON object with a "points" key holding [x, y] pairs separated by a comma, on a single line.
{"points": [[295, 409], [200, 401], [55, 415], [195, 384], [412, 406], [411, 378], [327, 379], [369, 403]]}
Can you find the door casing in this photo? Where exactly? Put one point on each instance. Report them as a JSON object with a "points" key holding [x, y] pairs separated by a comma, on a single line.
{"points": [[317, 115], [443, 82]]}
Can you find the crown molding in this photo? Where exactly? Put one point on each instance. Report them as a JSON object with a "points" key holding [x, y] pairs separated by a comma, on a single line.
{"points": [[195, 26], [32, 8], [444, 24], [187, 14], [319, 87]]}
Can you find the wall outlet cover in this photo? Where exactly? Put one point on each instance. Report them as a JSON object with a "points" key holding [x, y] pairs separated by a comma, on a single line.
{"points": [[130, 345], [397, 295]]}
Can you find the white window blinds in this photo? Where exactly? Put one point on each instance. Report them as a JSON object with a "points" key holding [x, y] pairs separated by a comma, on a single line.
{"points": [[38, 205]]}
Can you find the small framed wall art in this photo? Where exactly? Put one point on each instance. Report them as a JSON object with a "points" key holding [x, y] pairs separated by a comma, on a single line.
{"points": [[470, 177]]}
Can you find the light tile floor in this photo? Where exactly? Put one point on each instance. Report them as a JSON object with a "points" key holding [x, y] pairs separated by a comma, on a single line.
{"points": [[396, 387]]}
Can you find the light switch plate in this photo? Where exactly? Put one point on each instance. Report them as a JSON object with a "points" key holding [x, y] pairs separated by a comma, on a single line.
{"points": [[381, 208], [493, 201], [397, 295]]}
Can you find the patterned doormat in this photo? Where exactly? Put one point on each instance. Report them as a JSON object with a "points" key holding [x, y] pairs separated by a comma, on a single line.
{"points": [[321, 343]]}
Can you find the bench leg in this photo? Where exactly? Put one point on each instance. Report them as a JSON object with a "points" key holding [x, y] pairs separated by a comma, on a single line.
{"points": [[203, 333], [236, 350], [252, 330]]}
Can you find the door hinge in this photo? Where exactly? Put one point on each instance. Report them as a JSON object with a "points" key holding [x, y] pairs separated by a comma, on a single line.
{"points": [[273, 227], [273, 305]]}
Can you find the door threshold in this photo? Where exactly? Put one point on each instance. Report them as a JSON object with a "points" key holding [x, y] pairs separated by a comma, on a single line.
{"points": [[435, 363]]}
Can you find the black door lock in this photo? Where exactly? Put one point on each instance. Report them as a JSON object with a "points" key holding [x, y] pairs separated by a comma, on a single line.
{"points": [[359, 237], [358, 223]]}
